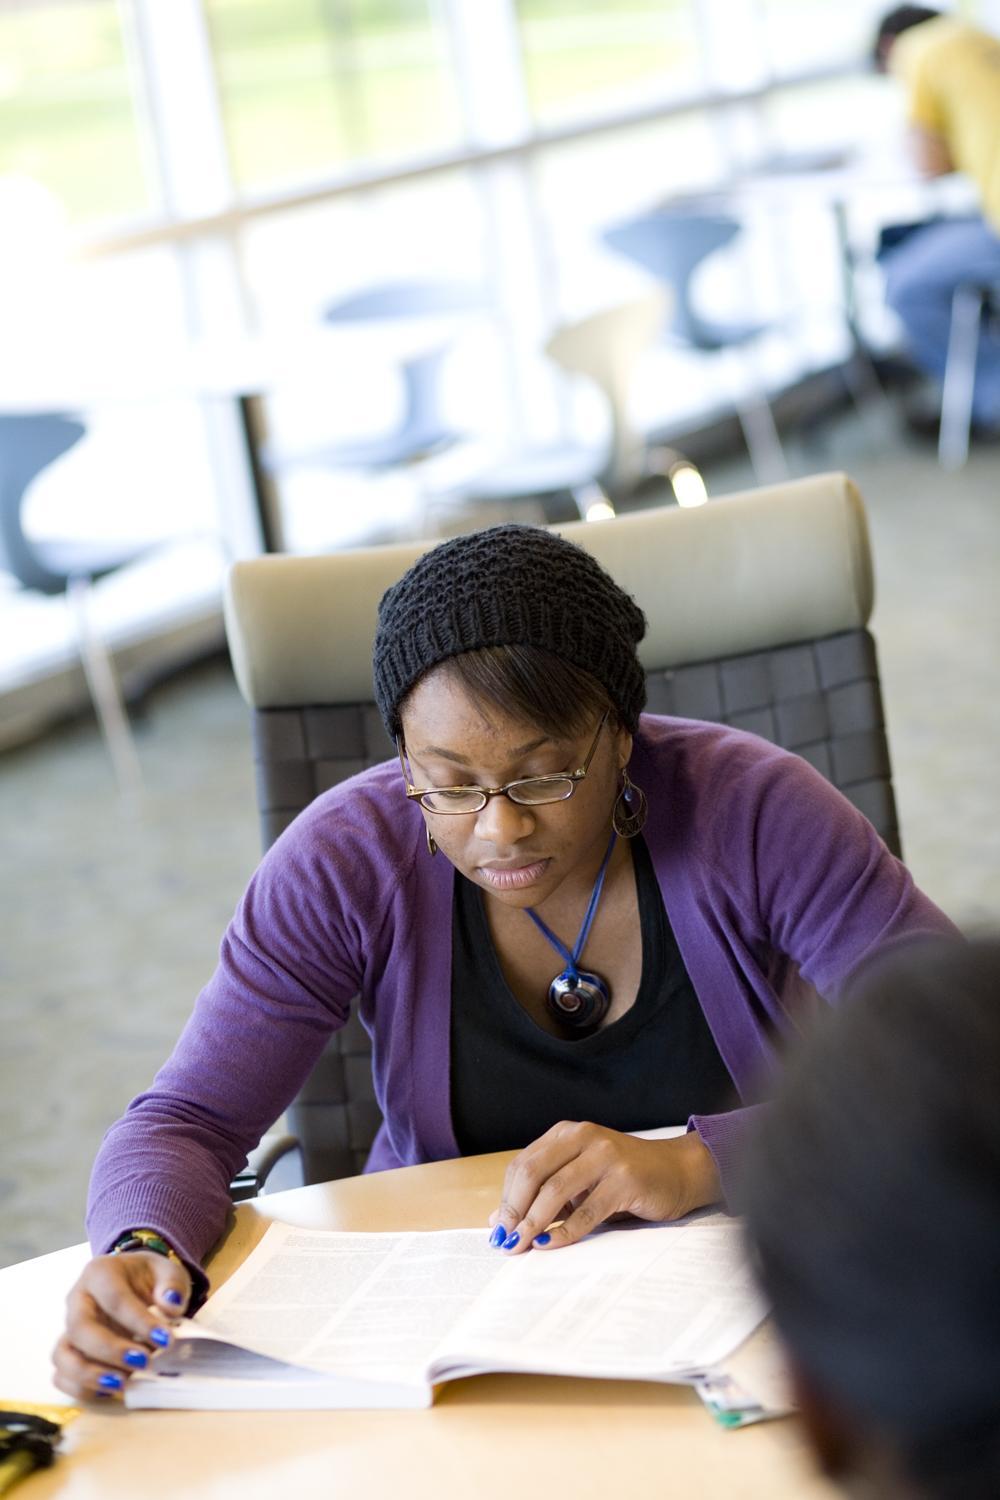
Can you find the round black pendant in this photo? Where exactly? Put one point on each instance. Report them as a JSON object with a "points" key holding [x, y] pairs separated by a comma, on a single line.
{"points": [[578, 1001]]}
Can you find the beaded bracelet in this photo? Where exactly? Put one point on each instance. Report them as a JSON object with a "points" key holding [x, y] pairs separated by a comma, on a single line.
{"points": [[145, 1239]]}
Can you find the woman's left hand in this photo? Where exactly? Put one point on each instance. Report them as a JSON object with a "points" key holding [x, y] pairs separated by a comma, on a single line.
{"points": [[584, 1174]]}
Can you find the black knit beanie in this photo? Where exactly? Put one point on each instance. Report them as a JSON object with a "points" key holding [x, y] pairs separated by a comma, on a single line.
{"points": [[508, 586]]}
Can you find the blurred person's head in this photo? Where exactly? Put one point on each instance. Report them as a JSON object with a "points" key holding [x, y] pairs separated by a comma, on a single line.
{"points": [[892, 25], [873, 1203]]}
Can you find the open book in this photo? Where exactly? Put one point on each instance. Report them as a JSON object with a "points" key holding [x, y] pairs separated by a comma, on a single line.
{"points": [[324, 1319]]}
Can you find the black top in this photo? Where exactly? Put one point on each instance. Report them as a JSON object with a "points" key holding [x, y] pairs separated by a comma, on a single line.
{"points": [[511, 1081]]}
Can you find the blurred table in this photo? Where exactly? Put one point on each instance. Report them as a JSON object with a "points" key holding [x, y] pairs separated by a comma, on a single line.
{"points": [[490, 1436], [837, 180], [237, 371]]}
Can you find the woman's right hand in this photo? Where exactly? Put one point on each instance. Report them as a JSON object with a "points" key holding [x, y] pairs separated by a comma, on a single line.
{"points": [[117, 1316]]}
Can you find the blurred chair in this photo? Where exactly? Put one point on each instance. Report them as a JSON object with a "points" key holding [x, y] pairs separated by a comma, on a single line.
{"points": [[672, 245], [973, 304], [422, 429], [757, 607], [605, 348], [28, 445]]}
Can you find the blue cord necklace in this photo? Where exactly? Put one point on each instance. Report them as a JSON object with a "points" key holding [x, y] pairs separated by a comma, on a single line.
{"points": [[578, 999]]}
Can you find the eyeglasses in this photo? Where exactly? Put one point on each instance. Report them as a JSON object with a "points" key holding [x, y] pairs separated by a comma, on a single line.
{"points": [[534, 791]]}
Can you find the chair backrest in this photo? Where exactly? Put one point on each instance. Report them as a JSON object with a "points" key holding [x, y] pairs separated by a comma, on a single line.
{"points": [[757, 606], [605, 347], [28, 444], [671, 245]]}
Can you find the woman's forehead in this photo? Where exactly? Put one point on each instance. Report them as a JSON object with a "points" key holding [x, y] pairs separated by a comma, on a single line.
{"points": [[442, 713]]}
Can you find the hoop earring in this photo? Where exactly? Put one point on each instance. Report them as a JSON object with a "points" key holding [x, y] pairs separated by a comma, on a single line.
{"points": [[629, 812], [432, 847]]}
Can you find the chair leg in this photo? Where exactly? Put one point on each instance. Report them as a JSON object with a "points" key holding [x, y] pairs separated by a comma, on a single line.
{"points": [[866, 389], [767, 456], [959, 377], [105, 692], [593, 502]]}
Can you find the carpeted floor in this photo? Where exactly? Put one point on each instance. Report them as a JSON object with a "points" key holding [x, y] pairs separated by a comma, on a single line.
{"points": [[112, 920]]}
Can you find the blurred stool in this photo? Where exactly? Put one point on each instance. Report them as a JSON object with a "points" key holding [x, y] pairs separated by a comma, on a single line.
{"points": [[973, 305], [671, 245], [28, 445], [605, 348], [422, 429]]}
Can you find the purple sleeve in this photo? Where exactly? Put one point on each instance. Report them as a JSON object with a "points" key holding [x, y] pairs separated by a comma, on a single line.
{"points": [[726, 1136], [829, 894], [822, 889], [290, 963]]}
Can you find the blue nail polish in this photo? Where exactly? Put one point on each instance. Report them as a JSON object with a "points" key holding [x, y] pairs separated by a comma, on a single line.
{"points": [[511, 1241], [174, 1298], [498, 1236], [541, 1239], [135, 1358], [159, 1336], [110, 1382]]}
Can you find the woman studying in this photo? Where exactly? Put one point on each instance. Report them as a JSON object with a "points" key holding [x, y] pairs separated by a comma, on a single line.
{"points": [[564, 921]]}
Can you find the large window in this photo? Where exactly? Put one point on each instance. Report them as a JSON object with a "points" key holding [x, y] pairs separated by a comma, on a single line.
{"points": [[307, 85], [587, 55], [803, 34], [68, 118], [298, 264], [254, 97], [586, 187]]}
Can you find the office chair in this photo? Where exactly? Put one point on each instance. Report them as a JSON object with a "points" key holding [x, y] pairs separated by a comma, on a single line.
{"points": [[604, 348], [757, 607], [28, 445], [973, 306]]}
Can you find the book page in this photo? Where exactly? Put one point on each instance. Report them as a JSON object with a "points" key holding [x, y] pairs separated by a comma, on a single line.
{"points": [[200, 1371], [646, 1301], [653, 1301], [372, 1305]]}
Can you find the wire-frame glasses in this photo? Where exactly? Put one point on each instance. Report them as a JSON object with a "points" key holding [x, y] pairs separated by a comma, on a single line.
{"points": [[532, 791]]}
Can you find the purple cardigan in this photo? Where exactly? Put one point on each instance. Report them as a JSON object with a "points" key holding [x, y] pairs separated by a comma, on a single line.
{"points": [[770, 878]]}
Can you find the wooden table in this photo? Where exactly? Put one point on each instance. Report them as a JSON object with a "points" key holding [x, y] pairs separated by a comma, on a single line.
{"points": [[492, 1437]]}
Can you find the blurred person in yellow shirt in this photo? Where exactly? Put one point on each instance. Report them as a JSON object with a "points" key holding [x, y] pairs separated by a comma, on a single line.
{"points": [[951, 73]]}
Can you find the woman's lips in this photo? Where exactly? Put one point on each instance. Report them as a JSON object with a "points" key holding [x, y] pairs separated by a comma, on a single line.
{"points": [[513, 877]]}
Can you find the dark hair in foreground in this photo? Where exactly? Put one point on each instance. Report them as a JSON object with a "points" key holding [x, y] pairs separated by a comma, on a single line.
{"points": [[873, 1202], [894, 23]]}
